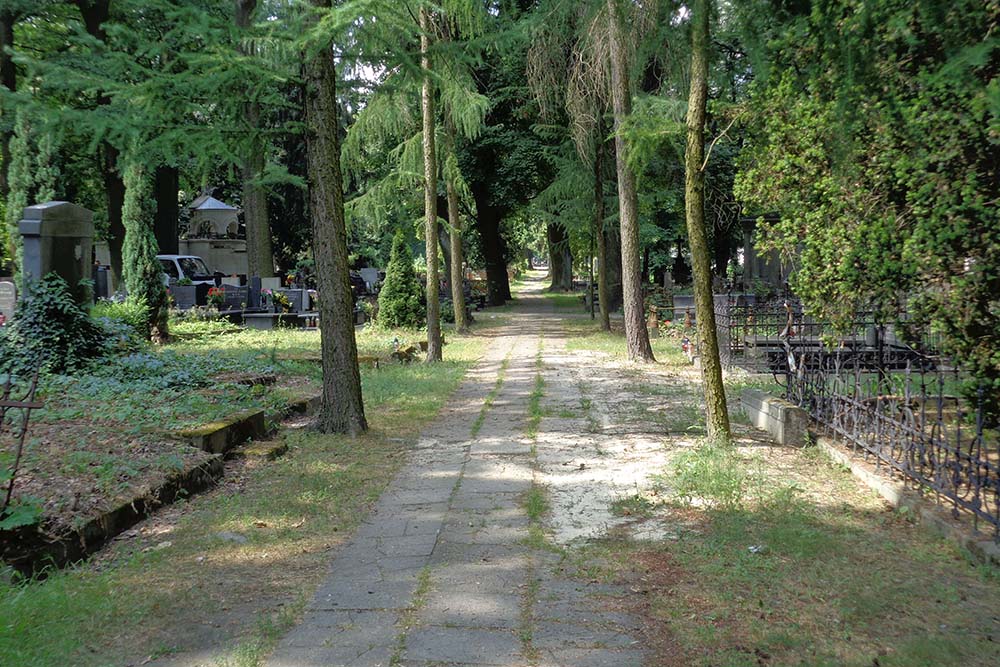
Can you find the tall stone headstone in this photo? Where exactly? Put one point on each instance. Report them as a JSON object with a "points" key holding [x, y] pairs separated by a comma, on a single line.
{"points": [[8, 300], [58, 237]]}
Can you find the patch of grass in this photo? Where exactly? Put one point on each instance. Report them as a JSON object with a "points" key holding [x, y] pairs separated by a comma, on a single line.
{"points": [[408, 618], [818, 575], [635, 505], [565, 301], [587, 335], [713, 474], [492, 396], [152, 591]]}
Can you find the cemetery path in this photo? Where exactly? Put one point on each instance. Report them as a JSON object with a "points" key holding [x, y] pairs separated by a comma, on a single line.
{"points": [[466, 558]]}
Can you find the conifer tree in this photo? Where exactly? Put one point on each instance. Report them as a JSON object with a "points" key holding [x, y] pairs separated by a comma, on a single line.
{"points": [[21, 184], [142, 273], [636, 335], [430, 193], [342, 409], [400, 303]]}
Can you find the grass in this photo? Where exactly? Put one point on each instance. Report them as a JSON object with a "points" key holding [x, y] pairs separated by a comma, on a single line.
{"points": [[155, 593], [782, 558], [492, 396]]}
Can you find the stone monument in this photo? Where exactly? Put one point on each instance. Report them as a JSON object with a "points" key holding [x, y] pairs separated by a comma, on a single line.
{"points": [[8, 300], [58, 237]]}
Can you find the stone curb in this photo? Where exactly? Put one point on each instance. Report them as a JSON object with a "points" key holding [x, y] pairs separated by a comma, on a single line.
{"points": [[933, 518], [29, 551]]}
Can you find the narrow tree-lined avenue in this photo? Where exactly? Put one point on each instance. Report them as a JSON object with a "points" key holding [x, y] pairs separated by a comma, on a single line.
{"points": [[519, 333]]}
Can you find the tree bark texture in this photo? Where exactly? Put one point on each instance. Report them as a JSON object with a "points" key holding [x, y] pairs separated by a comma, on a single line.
{"points": [[8, 79], [455, 220], [444, 242], [560, 258], [637, 338], [165, 189], [260, 256], [603, 296], [717, 416], [342, 410], [94, 14], [488, 218], [430, 195]]}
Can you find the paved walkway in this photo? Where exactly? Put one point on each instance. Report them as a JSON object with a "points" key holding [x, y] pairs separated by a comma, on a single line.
{"points": [[450, 569]]}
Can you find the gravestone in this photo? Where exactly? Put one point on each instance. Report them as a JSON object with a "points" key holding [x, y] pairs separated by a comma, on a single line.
{"points": [[58, 237], [8, 299], [253, 292]]}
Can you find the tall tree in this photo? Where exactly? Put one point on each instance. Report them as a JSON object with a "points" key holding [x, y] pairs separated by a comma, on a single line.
{"points": [[260, 256], [560, 258], [636, 335], [603, 293], [142, 273], [95, 14], [455, 219], [342, 410], [717, 415], [430, 192]]}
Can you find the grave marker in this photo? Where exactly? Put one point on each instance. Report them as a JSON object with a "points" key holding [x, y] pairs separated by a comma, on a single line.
{"points": [[8, 299]]}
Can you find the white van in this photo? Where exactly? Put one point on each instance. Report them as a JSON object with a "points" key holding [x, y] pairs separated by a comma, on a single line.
{"points": [[177, 267]]}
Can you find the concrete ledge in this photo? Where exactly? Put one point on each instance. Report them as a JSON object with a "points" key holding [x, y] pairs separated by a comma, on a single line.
{"points": [[788, 424], [29, 550], [219, 437], [933, 518]]}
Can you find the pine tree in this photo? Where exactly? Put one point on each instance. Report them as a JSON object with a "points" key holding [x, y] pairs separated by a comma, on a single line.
{"points": [[430, 193], [400, 302], [142, 273]]}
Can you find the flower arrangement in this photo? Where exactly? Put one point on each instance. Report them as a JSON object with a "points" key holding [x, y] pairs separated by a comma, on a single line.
{"points": [[216, 297]]}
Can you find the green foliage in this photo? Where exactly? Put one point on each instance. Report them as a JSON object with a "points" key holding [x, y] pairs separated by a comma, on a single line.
{"points": [[712, 472], [400, 303], [132, 312], [51, 332], [881, 156], [20, 181], [142, 271]]}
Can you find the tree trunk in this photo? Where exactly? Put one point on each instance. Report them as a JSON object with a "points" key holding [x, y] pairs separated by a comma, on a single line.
{"points": [[717, 416], [430, 196], [444, 245], [167, 210], [8, 79], [94, 14], [455, 220], [114, 188], [342, 410], [603, 295], [260, 256], [560, 259], [636, 336]]}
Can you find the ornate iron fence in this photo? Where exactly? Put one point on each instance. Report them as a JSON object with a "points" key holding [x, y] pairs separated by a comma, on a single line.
{"points": [[920, 416], [909, 408]]}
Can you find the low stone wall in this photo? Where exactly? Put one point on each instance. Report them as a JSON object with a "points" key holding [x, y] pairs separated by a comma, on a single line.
{"points": [[788, 424]]}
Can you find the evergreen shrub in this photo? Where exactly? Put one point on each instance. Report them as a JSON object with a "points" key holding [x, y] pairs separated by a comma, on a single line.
{"points": [[401, 301]]}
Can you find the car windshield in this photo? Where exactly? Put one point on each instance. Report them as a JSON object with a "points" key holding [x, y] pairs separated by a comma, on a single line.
{"points": [[193, 266], [169, 268]]}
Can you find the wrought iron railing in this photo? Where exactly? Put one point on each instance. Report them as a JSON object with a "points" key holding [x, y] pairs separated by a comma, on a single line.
{"points": [[908, 407], [921, 417]]}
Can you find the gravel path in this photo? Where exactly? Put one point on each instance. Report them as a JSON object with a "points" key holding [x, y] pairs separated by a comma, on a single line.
{"points": [[452, 568]]}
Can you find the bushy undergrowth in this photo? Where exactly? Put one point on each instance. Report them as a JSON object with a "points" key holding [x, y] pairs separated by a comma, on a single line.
{"points": [[51, 332]]}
